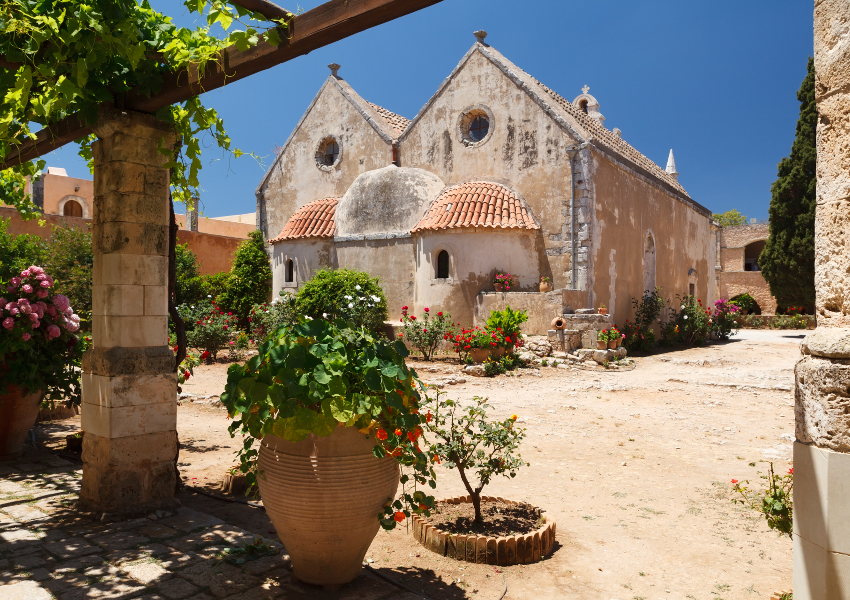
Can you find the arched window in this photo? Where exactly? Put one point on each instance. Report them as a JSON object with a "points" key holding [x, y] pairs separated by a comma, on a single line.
{"points": [[648, 263], [290, 271], [443, 265], [72, 208], [751, 255], [583, 105]]}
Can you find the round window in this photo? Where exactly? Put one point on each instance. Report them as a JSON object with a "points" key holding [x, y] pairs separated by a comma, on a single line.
{"points": [[475, 125], [328, 153]]}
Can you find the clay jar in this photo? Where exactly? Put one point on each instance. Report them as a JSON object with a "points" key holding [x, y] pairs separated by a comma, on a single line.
{"points": [[324, 495], [479, 355], [545, 286], [18, 412], [497, 352], [559, 323]]}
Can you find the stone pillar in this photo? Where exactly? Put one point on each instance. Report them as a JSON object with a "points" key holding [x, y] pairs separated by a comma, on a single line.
{"points": [[129, 407], [822, 449]]}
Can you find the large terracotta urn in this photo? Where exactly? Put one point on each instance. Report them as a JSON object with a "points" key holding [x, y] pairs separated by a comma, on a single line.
{"points": [[324, 495], [18, 412], [479, 355]]}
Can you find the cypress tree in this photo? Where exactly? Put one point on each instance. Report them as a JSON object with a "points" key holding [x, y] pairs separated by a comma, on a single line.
{"points": [[788, 259]]}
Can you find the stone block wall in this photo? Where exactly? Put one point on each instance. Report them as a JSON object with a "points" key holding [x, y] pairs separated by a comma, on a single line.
{"points": [[541, 308]]}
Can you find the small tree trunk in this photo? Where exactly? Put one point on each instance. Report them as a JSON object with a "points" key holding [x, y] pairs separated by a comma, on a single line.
{"points": [[475, 495], [476, 504]]}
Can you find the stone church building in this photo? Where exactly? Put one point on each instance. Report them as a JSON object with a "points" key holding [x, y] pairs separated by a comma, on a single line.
{"points": [[496, 172]]}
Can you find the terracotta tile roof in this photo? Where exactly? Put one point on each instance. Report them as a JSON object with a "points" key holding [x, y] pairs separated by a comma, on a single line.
{"points": [[314, 219], [604, 137], [477, 204], [396, 122]]}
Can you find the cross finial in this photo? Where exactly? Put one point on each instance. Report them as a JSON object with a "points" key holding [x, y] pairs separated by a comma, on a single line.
{"points": [[480, 35], [585, 89], [334, 68]]}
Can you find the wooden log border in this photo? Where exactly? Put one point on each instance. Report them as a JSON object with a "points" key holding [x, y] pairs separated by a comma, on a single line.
{"points": [[502, 551]]}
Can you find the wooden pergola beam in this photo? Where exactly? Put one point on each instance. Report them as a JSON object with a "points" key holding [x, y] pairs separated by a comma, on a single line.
{"points": [[328, 23], [269, 10]]}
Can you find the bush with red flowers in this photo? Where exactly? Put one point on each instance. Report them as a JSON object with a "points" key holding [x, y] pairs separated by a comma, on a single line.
{"points": [[39, 346], [775, 501], [213, 331], [425, 334]]}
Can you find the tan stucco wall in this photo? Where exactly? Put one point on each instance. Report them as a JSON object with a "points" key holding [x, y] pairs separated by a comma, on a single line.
{"points": [[474, 256], [626, 208], [57, 188], [525, 149], [308, 256], [752, 282], [18, 226], [219, 227], [295, 179], [391, 261]]}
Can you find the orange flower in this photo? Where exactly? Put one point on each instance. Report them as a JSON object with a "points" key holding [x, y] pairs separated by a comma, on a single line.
{"points": [[513, 417], [437, 459], [381, 434], [398, 432], [398, 516]]}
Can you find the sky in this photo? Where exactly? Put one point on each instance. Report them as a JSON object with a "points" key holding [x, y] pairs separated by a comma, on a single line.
{"points": [[714, 81]]}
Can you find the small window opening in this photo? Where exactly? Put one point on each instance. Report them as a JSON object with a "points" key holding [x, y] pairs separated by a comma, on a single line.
{"points": [[72, 208], [478, 128], [443, 265], [290, 271], [692, 289], [330, 154], [583, 106]]}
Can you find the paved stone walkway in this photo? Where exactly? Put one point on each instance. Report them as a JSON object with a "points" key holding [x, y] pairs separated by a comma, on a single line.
{"points": [[48, 550]]}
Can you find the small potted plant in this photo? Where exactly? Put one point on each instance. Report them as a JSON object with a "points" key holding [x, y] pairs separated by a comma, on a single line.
{"points": [[602, 340], [504, 282], [336, 411], [40, 355], [613, 336], [545, 284], [602, 310]]}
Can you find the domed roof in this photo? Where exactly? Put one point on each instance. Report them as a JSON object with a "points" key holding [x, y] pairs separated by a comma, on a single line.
{"points": [[391, 199], [478, 204], [314, 219]]}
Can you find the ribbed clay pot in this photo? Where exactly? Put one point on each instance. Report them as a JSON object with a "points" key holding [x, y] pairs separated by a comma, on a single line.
{"points": [[18, 412], [479, 355], [324, 495]]}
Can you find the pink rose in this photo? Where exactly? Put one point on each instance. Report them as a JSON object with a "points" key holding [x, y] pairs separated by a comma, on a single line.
{"points": [[27, 288], [2, 303], [34, 318], [14, 311], [51, 311], [53, 331], [44, 283], [8, 322], [35, 322], [49, 279], [23, 301], [41, 293], [25, 308], [25, 273], [72, 327], [26, 337], [11, 305], [15, 281], [75, 318], [40, 277], [36, 270]]}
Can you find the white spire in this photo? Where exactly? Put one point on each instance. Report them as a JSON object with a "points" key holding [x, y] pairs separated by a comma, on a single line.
{"points": [[671, 166]]}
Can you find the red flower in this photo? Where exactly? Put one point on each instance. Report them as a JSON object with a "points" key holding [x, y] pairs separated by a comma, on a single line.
{"points": [[398, 432], [426, 309], [437, 459], [791, 471], [428, 417], [205, 355], [187, 374], [225, 326], [440, 314], [412, 318], [398, 516], [734, 481], [403, 308], [381, 434], [412, 435]]}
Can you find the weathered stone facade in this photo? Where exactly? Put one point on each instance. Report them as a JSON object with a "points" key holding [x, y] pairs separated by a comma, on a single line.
{"points": [[600, 209], [822, 449], [737, 270]]}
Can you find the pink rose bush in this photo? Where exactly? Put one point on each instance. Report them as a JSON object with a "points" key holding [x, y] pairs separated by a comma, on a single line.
{"points": [[38, 346]]}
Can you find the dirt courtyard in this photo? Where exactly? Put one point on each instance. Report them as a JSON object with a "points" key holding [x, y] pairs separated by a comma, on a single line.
{"points": [[635, 467]]}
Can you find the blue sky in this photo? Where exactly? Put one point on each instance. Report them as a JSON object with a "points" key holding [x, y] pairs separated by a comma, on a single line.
{"points": [[714, 81]]}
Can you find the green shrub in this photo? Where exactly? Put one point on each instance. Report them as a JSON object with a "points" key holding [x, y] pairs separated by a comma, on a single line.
{"points": [[250, 278], [640, 335], [775, 502], [188, 276], [266, 319], [213, 285], [744, 301], [70, 256], [212, 332], [344, 294], [690, 325], [507, 321], [19, 252], [426, 333]]}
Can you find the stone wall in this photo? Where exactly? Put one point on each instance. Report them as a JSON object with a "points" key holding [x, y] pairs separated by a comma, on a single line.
{"points": [[822, 449], [739, 236], [541, 308], [752, 282]]}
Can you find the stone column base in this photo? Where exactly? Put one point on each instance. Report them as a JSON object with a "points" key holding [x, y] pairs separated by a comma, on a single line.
{"points": [[135, 473], [821, 524]]}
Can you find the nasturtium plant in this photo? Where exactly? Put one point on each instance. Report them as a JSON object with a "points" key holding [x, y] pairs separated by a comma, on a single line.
{"points": [[317, 375]]}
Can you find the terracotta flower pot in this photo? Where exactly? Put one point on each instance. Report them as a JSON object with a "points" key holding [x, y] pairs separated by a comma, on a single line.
{"points": [[18, 412], [612, 344], [601, 344], [602, 311], [499, 287], [479, 355], [324, 495], [545, 286], [559, 323], [497, 352]]}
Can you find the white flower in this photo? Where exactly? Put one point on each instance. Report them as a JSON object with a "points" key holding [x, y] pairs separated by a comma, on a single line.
{"points": [[193, 307], [376, 299], [309, 318], [686, 316], [208, 296], [357, 287], [351, 305], [348, 297], [361, 298], [683, 307]]}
